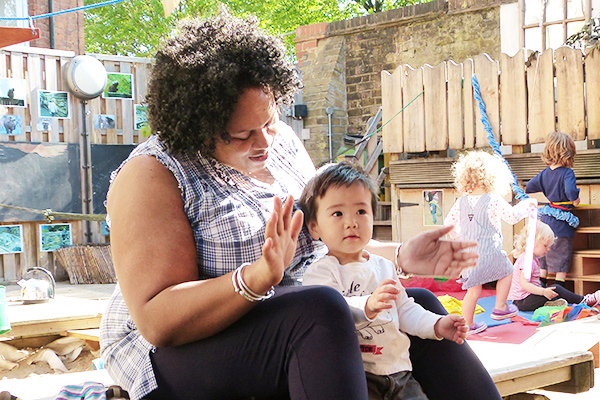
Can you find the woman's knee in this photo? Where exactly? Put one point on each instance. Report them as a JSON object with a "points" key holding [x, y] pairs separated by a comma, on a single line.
{"points": [[426, 299]]}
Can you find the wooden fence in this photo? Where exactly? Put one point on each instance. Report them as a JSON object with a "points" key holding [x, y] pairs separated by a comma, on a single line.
{"points": [[526, 96], [42, 70]]}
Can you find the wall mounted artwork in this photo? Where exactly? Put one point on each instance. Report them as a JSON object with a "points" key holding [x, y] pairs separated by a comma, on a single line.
{"points": [[119, 86], [11, 239], [433, 207], [11, 125], [53, 104], [13, 92], [55, 236]]}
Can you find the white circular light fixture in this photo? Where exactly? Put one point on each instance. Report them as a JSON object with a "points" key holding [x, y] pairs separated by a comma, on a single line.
{"points": [[85, 77]]}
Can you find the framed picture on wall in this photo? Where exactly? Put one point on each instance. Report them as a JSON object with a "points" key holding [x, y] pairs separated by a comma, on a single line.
{"points": [[11, 125], [53, 104], [55, 236], [104, 121], [119, 86], [433, 207], [11, 239], [13, 92]]}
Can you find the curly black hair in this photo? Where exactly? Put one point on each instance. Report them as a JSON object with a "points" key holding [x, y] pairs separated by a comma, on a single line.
{"points": [[200, 72]]}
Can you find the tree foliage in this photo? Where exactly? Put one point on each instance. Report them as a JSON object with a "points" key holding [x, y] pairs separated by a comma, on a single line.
{"points": [[135, 27]]}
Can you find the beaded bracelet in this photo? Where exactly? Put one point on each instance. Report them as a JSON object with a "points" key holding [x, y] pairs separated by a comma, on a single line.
{"points": [[401, 274], [242, 289]]}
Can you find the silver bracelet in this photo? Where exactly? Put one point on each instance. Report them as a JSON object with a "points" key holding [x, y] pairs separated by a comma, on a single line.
{"points": [[240, 287], [401, 274]]}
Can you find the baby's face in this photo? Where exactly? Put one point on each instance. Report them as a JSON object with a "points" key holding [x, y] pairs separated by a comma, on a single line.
{"points": [[541, 247], [344, 221]]}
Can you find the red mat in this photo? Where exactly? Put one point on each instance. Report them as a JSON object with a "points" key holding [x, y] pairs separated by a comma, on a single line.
{"points": [[514, 333]]}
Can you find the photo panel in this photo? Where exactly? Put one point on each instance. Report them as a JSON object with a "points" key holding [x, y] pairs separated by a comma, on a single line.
{"points": [[54, 104], [119, 86], [104, 121], [44, 124], [11, 125], [11, 239], [55, 236], [13, 92], [433, 207], [140, 119]]}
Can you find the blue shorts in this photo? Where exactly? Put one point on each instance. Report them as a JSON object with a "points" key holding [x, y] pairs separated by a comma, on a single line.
{"points": [[559, 256]]}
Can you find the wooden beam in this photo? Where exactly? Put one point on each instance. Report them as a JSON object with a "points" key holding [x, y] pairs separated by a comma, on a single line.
{"points": [[11, 35]]}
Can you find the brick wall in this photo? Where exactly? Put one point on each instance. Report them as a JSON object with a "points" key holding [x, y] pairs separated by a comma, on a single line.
{"points": [[68, 27], [341, 62]]}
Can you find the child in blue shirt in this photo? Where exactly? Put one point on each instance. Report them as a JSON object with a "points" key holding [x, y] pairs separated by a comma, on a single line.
{"points": [[557, 183]]}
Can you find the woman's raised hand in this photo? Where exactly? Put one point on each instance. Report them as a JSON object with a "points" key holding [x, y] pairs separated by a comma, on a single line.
{"points": [[281, 237]]}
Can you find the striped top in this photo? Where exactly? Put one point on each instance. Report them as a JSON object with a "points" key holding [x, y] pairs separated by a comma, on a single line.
{"points": [[228, 212]]}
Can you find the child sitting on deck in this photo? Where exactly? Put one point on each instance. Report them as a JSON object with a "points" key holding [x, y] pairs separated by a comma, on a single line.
{"points": [[529, 295], [339, 205]]}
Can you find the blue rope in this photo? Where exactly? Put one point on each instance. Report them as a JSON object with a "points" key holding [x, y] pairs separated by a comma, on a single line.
{"points": [[62, 11], [518, 190]]}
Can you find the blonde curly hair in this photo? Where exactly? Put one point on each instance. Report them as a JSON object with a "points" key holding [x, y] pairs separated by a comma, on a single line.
{"points": [[543, 232], [479, 168]]}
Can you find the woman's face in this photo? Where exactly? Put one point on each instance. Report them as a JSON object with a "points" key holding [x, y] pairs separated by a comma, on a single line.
{"points": [[252, 131]]}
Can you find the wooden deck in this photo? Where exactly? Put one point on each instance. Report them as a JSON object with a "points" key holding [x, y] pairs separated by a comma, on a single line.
{"points": [[555, 358]]}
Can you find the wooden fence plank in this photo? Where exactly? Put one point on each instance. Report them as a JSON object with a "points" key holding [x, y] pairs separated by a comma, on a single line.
{"points": [[141, 88], [3, 73], [455, 105], [592, 86], [468, 104], [486, 71], [391, 92], [51, 83], [127, 108], [436, 109], [570, 107], [540, 86], [513, 105], [414, 118], [70, 134], [111, 109], [34, 81], [17, 63]]}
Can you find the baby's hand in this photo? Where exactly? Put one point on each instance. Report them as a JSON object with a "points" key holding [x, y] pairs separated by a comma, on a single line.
{"points": [[452, 327], [381, 298]]}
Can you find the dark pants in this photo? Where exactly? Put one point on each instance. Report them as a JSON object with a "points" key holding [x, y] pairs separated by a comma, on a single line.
{"points": [[534, 301], [301, 344], [399, 386], [446, 370]]}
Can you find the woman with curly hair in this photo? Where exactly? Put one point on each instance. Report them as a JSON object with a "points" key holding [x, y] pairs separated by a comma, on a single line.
{"points": [[208, 252], [481, 179]]}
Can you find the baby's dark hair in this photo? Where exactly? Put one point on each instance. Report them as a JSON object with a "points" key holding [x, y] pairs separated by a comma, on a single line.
{"points": [[334, 176], [200, 73]]}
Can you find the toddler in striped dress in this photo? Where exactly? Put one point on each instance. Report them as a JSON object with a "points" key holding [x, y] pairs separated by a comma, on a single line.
{"points": [[481, 179]]}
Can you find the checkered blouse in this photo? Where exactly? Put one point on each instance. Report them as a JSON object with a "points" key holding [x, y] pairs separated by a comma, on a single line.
{"points": [[228, 212]]}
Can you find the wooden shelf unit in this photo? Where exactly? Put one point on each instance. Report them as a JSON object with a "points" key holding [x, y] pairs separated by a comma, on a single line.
{"points": [[585, 266]]}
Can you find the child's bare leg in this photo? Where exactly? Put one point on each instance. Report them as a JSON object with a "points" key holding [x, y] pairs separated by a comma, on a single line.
{"points": [[469, 303], [502, 289], [561, 276]]}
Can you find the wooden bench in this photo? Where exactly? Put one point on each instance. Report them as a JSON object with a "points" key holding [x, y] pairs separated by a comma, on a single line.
{"points": [[91, 337]]}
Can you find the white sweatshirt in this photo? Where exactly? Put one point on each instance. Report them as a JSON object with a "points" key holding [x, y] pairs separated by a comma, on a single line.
{"points": [[384, 345]]}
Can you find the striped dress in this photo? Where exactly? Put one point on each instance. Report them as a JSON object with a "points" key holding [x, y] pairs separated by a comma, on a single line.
{"points": [[475, 225]]}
